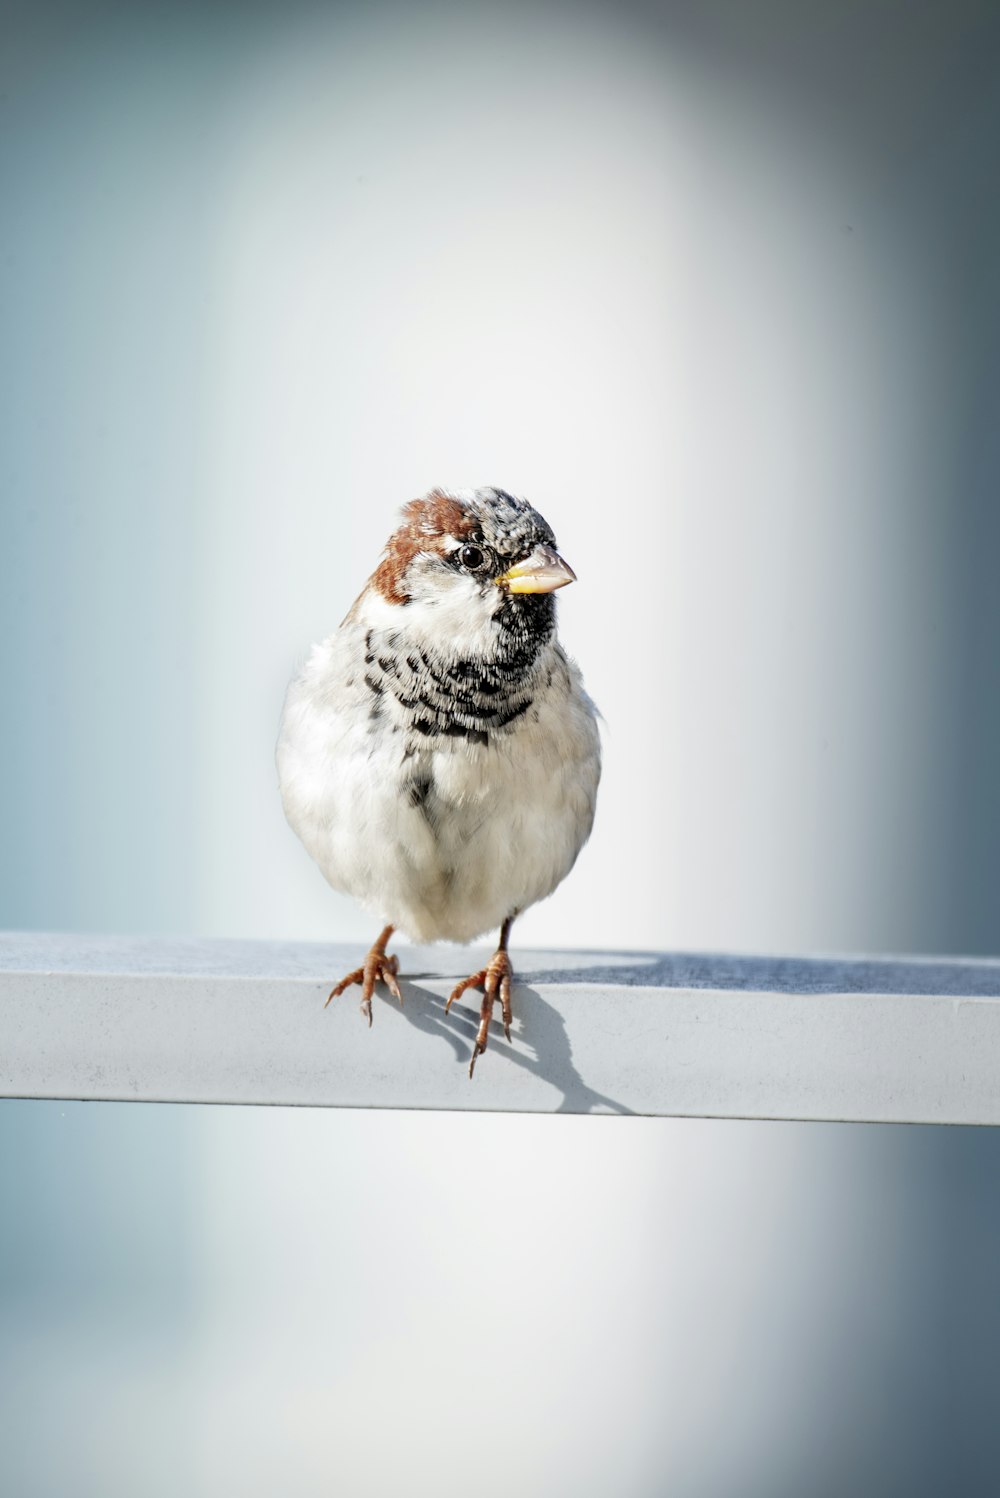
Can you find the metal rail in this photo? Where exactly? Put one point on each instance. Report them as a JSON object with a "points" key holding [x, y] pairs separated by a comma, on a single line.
{"points": [[912, 1040]]}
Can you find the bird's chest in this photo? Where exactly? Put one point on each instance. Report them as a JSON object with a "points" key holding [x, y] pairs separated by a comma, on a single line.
{"points": [[443, 802], [439, 779], [475, 834], [467, 794]]}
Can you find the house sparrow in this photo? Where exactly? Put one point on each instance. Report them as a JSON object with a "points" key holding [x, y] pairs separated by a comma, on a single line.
{"points": [[438, 755]]}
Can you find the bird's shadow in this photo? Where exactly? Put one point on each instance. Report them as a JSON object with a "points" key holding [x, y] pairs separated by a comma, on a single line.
{"points": [[549, 1056]]}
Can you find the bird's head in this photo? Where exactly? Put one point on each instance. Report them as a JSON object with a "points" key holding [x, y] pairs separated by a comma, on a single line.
{"points": [[467, 565]]}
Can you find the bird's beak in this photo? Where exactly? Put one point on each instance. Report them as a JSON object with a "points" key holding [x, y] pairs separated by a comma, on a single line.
{"points": [[542, 572]]}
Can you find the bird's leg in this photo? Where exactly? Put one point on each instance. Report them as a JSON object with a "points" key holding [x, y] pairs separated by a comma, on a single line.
{"points": [[378, 968], [493, 979]]}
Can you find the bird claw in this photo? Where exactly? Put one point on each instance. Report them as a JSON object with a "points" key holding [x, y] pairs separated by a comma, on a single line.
{"points": [[378, 967], [495, 980]]}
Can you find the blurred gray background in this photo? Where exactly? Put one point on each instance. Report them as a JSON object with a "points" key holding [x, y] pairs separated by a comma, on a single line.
{"points": [[715, 286]]}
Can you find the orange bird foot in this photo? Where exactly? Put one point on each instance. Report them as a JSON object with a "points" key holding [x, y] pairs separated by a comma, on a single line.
{"points": [[378, 968], [494, 979]]}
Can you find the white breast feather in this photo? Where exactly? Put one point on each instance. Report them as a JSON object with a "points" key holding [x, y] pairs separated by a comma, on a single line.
{"points": [[511, 816]]}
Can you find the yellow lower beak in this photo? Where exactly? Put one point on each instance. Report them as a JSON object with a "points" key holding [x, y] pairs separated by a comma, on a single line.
{"points": [[542, 572]]}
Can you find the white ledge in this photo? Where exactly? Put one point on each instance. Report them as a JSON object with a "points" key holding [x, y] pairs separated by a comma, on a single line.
{"points": [[887, 1041]]}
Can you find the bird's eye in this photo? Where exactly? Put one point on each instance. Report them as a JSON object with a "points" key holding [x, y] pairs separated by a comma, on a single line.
{"points": [[472, 557]]}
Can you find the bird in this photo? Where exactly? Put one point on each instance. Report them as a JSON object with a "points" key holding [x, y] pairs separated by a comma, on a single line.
{"points": [[438, 755]]}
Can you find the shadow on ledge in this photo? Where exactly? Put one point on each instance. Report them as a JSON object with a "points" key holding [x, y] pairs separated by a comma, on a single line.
{"points": [[965, 978], [540, 1028]]}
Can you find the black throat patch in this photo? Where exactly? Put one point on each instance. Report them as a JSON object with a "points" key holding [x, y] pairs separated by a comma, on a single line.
{"points": [[471, 698]]}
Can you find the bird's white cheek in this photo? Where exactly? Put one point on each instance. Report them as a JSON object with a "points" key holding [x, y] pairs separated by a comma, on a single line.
{"points": [[457, 618], [376, 612]]}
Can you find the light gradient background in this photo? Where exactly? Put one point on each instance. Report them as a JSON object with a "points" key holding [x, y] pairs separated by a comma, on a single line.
{"points": [[714, 285]]}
